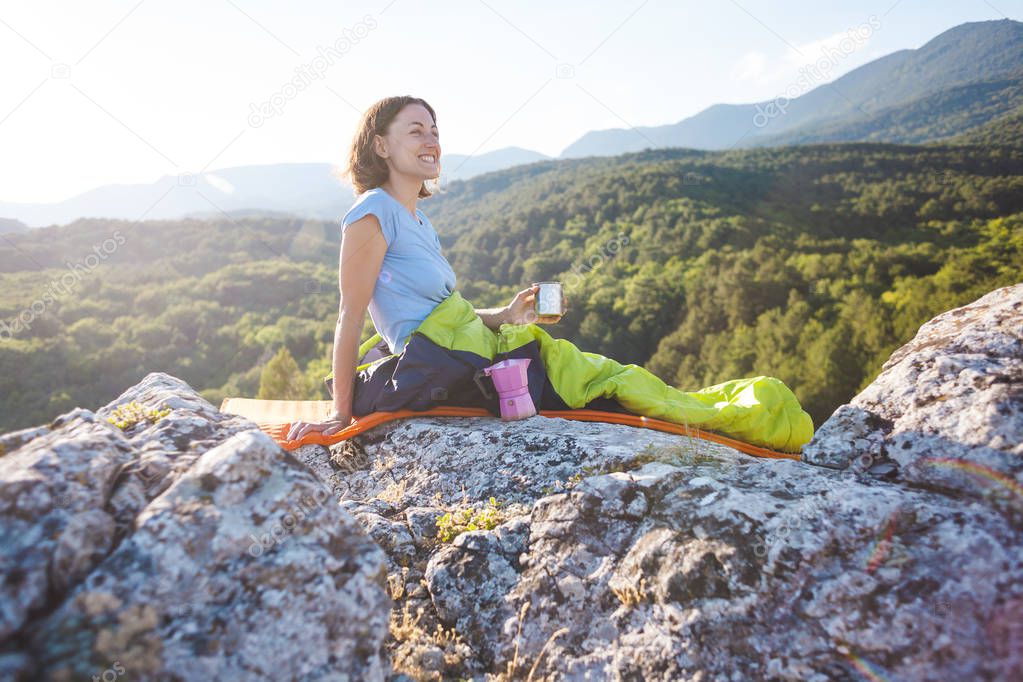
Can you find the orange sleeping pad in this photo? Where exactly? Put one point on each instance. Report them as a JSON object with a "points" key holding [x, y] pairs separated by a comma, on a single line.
{"points": [[275, 417]]}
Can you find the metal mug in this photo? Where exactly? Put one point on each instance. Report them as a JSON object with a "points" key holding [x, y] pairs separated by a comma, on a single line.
{"points": [[549, 304]]}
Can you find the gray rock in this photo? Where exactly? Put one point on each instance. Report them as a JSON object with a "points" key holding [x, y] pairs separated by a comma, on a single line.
{"points": [[704, 563], [446, 461], [468, 582], [769, 569], [392, 536], [54, 526], [192, 547], [422, 522]]}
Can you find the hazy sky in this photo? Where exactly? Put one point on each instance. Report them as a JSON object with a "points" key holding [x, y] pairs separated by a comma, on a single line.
{"points": [[123, 92]]}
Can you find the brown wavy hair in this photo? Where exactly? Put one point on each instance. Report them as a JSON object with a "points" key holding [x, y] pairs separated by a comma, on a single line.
{"points": [[365, 169]]}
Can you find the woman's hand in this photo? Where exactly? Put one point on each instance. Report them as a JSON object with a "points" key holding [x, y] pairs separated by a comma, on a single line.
{"points": [[522, 308], [336, 421]]}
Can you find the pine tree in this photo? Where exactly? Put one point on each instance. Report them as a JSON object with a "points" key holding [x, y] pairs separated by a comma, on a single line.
{"points": [[281, 379]]}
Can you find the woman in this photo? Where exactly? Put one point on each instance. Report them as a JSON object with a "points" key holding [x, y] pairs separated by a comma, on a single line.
{"points": [[391, 264], [391, 167]]}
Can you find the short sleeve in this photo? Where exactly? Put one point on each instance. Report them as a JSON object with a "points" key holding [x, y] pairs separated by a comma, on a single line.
{"points": [[375, 204]]}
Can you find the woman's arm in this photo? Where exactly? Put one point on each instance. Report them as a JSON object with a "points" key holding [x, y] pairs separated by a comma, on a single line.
{"points": [[362, 252], [493, 317], [519, 311], [346, 346]]}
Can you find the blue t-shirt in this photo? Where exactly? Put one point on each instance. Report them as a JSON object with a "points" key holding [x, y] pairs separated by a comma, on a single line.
{"points": [[414, 276]]}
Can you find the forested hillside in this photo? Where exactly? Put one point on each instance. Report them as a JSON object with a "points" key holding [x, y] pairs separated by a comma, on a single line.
{"points": [[808, 263], [1002, 131]]}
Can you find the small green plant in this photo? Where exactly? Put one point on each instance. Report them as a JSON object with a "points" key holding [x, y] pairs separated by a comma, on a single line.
{"points": [[128, 415], [452, 524]]}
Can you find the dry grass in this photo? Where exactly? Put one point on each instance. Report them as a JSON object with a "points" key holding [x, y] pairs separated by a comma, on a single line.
{"points": [[394, 493], [688, 451], [512, 671], [405, 627], [396, 584], [632, 596], [423, 655]]}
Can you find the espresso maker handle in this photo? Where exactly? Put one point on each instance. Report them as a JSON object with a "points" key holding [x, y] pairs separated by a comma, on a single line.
{"points": [[478, 378]]}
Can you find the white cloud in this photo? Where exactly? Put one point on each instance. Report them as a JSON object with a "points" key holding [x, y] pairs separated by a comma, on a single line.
{"points": [[836, 48], [219, 183], [809, 64], [750, 67]]}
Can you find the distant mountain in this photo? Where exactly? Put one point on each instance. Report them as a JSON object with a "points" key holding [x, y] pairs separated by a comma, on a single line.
{"points": [[11, 225], [309, 190], [861, 105], [463, 167], [933, 117], [717, 127]]}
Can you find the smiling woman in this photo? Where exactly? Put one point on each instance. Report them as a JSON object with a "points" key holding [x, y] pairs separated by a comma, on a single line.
{"points": [[393, 134], [391, 263]]}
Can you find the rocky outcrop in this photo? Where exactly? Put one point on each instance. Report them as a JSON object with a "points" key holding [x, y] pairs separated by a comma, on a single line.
{"points": [[661, 558], [540, 548], [946, 412], [191, 547]]}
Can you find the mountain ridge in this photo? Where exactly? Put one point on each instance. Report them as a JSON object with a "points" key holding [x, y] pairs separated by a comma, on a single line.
{"points": [[883, 82]]}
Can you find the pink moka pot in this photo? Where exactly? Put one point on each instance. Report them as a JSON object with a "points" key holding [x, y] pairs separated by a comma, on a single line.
{"points": [[509, 377]]}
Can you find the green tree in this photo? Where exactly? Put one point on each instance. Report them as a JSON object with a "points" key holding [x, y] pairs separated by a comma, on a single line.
{"points": [[281, 379]]}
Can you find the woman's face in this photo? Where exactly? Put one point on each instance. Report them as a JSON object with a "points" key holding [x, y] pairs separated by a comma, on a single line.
{"points": [[412, 138]]}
